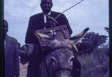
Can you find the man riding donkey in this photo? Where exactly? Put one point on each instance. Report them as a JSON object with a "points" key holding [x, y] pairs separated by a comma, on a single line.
{"points": [[32, 52]]}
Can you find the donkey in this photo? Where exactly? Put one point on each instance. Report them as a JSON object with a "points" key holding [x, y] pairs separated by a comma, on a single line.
{"points": [[59, 61]]}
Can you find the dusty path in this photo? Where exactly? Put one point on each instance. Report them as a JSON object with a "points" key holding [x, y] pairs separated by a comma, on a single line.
{"points": [[23, 70]]}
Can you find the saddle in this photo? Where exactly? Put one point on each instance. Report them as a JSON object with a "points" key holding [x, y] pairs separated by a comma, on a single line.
{"points": [[58, 32]]}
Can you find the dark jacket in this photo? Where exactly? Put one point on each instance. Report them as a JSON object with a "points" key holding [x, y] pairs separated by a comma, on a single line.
{"points": [[11, 57], [36, 22]]}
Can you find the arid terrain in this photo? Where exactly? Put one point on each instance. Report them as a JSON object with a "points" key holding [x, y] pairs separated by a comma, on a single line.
{"points": [[23, 70]]}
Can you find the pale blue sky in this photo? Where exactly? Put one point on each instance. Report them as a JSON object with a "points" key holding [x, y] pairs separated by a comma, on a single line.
{"points": [[89, 13]]}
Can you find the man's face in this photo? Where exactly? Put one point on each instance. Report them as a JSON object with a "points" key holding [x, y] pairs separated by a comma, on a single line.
{"points": [[5, 27], [46, 5]]}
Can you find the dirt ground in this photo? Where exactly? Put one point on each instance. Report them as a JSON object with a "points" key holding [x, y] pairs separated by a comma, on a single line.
{"points": [[23, 70]]}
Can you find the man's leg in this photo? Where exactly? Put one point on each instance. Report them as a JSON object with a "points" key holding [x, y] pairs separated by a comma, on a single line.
{"points": [[33, 67]]}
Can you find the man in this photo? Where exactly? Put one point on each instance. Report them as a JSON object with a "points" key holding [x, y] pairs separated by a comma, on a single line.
{"points": [[37, 22], [11, 54]]}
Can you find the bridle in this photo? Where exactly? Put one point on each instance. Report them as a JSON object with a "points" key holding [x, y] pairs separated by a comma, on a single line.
{"points": [[51, 74], [62, 69]]}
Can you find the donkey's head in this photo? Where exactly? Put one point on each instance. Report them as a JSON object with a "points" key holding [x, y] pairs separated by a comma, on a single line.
{"points": [[59, 62]]}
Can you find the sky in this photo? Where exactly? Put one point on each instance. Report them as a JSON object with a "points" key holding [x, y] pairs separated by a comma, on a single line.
{"points": [[89, 13]]}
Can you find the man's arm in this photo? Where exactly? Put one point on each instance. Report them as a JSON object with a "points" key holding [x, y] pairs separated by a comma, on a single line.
{"points": [[66, 22], [27, 38], [29, 33]]}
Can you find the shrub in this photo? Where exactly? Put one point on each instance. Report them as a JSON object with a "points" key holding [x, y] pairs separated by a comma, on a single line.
{"points": [[95, 64]]}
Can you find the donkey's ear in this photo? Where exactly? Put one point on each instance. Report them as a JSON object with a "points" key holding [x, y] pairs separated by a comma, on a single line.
{"points": [[43, 38], [40, 35], [77, 37]]}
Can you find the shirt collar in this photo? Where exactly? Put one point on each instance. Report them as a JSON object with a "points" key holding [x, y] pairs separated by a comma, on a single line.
{"points": [[48, 13], [6, 37], [5, 41], [45, 16]]}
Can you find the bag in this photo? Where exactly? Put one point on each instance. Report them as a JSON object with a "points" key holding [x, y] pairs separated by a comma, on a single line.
{"points": [[59, 32]]}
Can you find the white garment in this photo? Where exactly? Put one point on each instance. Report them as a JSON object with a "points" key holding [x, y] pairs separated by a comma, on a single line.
{"points": [[5, 42], [45, 20]]}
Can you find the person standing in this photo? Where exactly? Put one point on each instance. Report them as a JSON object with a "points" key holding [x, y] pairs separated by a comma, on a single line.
{"points": [[11, 54]]}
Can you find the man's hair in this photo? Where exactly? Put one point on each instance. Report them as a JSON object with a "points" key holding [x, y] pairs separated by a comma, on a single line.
{"points": [[5, 21], [50, 0]]}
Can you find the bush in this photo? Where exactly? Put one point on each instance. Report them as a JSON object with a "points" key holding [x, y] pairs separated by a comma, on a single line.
{"points": [[95, 64]]}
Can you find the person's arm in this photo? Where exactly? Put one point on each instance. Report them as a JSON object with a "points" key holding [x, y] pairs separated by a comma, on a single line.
{"points": [[29, 34], [66, 22], [27, 38], [16, 60]]}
